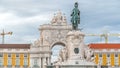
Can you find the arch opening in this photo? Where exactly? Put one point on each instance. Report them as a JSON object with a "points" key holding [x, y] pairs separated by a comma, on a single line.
{"points": [[58, 43], [55, 51]]}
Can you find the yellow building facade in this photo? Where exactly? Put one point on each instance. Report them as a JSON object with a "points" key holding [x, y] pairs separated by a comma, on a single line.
{"points": [[106, 54], [15, 55], [16, 60], [107, 60]]}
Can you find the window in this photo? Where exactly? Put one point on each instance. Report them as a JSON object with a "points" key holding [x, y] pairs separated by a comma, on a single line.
{"points": [[25, 61], [17, 55], [116, 61], [25, 55], [116, 55], [17, 61], [1, 59], [9, 61], [1, 62], [92, 55], [1, 55], [108, 55], [9, 55], [35, 61], [100, 55]]}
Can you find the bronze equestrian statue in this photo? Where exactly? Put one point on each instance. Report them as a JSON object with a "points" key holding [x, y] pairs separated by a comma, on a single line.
{"points": [[75, 17]]}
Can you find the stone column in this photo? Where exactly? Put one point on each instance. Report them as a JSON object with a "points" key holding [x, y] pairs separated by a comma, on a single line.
{"points": [[49, 61], [44, 62], [31, 61], [41, 62]]}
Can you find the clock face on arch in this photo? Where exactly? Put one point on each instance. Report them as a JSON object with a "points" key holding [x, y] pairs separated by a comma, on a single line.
{"points": [[76, 50]]}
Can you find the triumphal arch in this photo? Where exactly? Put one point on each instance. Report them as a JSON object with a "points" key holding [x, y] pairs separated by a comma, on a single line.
{"points": [[50, 34]]}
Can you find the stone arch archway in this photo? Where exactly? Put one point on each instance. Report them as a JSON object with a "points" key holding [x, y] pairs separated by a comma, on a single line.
{"points": [[55, 49], [58, 43], [50, 35]]}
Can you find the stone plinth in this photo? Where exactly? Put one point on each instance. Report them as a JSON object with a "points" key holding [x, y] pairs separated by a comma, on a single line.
{"points": [[75, 45], [76, 52]]}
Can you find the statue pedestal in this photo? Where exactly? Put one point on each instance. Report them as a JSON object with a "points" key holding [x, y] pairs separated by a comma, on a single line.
{"points": [[76, 49], [76, 64], [75, 45], [73, 55], [75, 52]]}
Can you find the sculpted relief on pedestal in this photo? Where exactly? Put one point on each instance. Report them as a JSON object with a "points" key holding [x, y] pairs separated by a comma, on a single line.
{"points": [[88, 54]]}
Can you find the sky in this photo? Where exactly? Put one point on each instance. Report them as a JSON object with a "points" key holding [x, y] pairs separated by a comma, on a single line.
{"points": [[23, 18]]}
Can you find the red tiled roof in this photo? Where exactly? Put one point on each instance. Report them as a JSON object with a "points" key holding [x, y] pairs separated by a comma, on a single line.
{"points": [[104, 46], [19, 46]]}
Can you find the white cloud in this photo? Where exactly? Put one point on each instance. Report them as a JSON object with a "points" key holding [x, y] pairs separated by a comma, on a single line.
{"points": [[11, 19]]}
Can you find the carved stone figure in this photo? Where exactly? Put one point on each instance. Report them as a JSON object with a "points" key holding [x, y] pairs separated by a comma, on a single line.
{"points": [[58, 61], [63, 54], [88, 53], [59, 19], [37, 42], [75, 17]]}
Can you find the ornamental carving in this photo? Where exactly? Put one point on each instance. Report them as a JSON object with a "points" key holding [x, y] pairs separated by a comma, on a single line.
{"points": [[59, 19]]}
